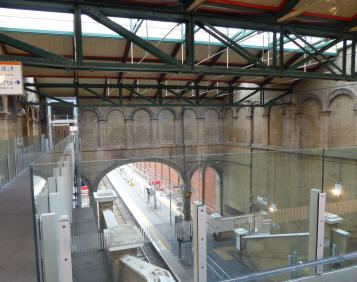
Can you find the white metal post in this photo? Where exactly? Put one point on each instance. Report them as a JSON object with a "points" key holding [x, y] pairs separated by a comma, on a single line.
{"points": [[65, 259], [316, 226], [199, 243]]}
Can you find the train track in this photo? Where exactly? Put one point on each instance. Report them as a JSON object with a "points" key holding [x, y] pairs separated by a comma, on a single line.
{"points": [[123, 216]]}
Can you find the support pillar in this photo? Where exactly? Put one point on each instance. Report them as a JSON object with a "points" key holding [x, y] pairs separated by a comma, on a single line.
{"points": [[200, 130], [129, 132], [289, 136], [266, 130], [324, 118], [154, 131], [102, 132]]}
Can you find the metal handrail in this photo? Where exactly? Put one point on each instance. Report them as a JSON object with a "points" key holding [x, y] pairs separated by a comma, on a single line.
{"points": [[287, 269]]}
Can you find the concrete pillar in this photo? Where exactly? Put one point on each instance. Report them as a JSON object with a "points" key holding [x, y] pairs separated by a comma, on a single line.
{"points": [[102, 132], [250, 130], [235, 129], [200, 130], [178, 130], [324, 119], [289, 135], [265, 140], [129, 132], [220, 124]]}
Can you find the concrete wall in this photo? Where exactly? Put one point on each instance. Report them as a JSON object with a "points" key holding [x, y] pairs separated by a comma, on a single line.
{"points": [[16, 122]]}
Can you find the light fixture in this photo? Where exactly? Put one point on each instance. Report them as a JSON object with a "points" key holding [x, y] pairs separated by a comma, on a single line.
{"points": [[273, 208], [337, 190], [2, 79]]}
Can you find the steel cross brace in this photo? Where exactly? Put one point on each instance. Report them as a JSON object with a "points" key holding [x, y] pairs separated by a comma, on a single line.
{"points": [[104, 20]]}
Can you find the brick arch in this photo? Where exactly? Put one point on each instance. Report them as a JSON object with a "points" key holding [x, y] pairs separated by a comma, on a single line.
{"points": [[157, 113], [119, 163], [218, 112], [106, 115], [95, 110], [182, 112], [305, 99], [339, 92], [131, 116]]}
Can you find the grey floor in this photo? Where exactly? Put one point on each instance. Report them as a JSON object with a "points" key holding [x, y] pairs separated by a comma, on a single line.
{"points": [[17, 252]]}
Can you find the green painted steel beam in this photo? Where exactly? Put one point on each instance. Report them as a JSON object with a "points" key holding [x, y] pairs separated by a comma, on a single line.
{"points": [[321, 50], [100, 96], [235, 71], [41, 94], [104, 20], [271, 101], [233, 45], [149, 86], [317, 52], [34, 50]]}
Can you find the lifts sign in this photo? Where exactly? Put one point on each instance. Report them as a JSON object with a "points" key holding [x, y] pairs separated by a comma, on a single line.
{"points": [[11, 81]]}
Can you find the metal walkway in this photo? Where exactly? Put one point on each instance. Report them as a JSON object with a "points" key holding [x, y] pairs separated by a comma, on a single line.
{"points": [[17, 259]]}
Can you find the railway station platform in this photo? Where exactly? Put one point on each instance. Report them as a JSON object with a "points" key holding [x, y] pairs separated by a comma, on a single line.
{"points": [[222, 259]]}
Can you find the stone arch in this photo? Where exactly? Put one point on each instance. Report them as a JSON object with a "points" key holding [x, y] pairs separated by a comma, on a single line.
{"points": [[96, 110], [212, 126], [206, 186], [309, 123], [166, 126], [305, 99], [157, 113], [342, 91], [147, 110], [341, 121], [190, 126], [105, 116], [89, 128], [184, 109], [142, 132], [116, 128], [119, 163]]}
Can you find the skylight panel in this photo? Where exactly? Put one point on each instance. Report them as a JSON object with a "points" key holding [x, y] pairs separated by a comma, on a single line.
{"points": [[35, 20]]}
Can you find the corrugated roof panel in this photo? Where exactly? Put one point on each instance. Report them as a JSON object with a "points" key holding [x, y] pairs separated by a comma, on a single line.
{"points": [[103, 47], [58, 44]]}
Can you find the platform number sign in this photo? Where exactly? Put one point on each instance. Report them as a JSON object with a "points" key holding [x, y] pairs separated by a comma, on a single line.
{"points": [[11, 81]]}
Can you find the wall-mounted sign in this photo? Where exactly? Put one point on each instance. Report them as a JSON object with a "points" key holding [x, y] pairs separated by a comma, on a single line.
{"points": [[73, 128], [11, 81]]}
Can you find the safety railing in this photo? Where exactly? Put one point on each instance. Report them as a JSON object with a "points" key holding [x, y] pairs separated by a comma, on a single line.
{"points": [[15, 158]]}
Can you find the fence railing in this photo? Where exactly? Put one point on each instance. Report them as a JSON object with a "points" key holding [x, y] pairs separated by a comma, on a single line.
{"points": [[16, 159]]}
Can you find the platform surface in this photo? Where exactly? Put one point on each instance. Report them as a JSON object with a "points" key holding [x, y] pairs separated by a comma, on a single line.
{"points": [[222, 259]]}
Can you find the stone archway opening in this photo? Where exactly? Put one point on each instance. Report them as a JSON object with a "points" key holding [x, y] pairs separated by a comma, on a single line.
{"points": [[140, 176], [206, 188]]}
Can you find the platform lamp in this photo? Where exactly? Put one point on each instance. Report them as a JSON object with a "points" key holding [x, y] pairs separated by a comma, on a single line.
{"points": [[273, 207], [337, 190]]}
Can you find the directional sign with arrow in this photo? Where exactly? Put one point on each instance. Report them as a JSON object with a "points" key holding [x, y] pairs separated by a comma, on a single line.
{"points": [[11, 80]]}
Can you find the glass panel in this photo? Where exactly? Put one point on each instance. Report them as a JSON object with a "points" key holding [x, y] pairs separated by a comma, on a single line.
{"points": [[341, 201]]}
